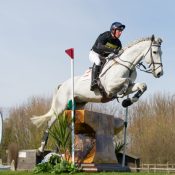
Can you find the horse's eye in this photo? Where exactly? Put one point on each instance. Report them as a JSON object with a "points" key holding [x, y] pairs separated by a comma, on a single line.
{"points": [[154, 52]]}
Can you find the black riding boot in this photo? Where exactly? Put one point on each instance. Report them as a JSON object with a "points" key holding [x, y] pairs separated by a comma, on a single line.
{"points": [[94, 76]]}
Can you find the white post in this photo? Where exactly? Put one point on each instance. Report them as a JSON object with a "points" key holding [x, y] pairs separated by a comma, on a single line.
{"points": [[73, 110], [125, 127]]}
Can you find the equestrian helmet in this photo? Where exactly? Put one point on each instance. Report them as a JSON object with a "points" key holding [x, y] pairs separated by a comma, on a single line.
{"points": [[115, 26]]}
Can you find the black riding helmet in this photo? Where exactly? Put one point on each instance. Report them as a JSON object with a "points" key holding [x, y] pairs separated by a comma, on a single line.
{"points": [[115, 26]]}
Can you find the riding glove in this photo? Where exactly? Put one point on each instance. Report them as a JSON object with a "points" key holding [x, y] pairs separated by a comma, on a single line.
{"points": [[115, 51]]}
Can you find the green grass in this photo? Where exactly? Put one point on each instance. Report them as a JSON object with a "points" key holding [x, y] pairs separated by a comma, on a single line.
{"points": [[100, 173]]}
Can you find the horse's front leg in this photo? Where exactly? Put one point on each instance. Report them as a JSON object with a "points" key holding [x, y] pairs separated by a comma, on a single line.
{"points": [[46, 135], [140, 88]]}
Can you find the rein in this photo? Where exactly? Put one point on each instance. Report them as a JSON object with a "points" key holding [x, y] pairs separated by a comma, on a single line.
{"points": [[116, 62], [130, 70]]}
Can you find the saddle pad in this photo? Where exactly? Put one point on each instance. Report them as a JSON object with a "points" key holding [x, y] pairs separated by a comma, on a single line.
{"points": [[86, 75]]}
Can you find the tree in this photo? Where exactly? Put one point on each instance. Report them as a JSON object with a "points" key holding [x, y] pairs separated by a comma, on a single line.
{"points": [[151, 131]]}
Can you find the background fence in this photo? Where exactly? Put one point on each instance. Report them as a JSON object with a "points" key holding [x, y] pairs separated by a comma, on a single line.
{"points": [[168, 168]]}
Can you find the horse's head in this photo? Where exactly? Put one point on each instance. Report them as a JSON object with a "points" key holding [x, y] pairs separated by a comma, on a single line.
{"points": [[153, 57]]}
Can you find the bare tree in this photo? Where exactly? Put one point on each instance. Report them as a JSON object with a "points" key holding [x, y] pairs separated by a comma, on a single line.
{"points": [[151, 131]]}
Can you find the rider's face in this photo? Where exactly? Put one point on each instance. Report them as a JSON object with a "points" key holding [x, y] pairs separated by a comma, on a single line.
{"points": [[118, 33]]}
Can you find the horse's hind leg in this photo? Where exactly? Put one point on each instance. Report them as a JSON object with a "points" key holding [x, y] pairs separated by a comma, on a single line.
{"points": [[140, 88], [49, 125], [59, 104], [46, 134]]}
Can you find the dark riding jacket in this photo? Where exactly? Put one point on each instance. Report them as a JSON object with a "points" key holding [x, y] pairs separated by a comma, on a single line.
{"points": [[106, 44]]}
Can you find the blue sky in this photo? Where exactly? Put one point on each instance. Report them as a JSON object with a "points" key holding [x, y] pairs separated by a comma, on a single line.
{"points": [[35, 33]]}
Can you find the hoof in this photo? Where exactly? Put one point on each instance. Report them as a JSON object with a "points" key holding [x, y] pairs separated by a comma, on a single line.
{"points": [[39, 156], [39, 153], [127, 102]]}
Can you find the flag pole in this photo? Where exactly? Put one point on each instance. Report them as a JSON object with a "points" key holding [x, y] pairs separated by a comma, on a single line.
{"points": [[73, 110], [70, 52]]}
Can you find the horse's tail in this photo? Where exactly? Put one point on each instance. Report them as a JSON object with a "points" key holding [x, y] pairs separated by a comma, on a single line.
{"points": [[39, 120]]}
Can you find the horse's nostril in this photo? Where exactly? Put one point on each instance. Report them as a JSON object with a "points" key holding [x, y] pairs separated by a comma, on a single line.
{"points": [[159, 74]]}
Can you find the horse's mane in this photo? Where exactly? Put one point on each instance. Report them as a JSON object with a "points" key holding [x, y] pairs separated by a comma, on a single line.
{"points": [[135, 42]]}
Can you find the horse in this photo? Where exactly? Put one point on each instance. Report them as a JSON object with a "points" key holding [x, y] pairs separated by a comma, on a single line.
{"points": [[116, 79]]}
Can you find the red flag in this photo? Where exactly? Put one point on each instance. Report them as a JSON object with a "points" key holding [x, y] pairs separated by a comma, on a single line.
{"points": [[70, 52]]}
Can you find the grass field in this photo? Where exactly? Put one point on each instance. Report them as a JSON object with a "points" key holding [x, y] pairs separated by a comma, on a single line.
{"points": [[100, 173]]}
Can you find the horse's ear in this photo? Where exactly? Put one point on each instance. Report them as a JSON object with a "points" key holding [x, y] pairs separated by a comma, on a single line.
{"points": [[152, 38], [160, 41]]}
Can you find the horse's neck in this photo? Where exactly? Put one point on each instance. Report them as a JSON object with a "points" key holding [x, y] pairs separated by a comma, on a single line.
{"points": [[107, 66], [130, 57], [134, 54]]}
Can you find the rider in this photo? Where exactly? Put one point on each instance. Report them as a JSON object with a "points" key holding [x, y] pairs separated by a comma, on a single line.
{"points": [[106, 43]]}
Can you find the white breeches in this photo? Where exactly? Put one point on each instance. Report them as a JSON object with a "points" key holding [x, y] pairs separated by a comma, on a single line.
{"points": [[94, 57]]}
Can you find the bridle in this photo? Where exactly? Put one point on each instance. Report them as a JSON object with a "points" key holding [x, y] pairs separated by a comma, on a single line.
{"points": [[149, 70]]}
